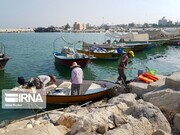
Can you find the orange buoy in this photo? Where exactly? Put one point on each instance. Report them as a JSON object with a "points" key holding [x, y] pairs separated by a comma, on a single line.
{"points": [[150, 76], [145, 79]]}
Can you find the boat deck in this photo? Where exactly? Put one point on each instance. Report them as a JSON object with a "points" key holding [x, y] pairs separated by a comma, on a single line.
{"points": [[88, 86]]}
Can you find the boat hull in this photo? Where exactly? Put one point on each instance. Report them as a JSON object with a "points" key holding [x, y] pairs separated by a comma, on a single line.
{"points": [[3, 62], [125, 46], [135, 48], [56, 99], [90, 91], [60, 93], [173, 43], [106, 56], [68, 62]]}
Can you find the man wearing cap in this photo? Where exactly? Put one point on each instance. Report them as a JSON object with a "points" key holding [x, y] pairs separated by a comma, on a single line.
{"points": [[76, 78], [122, 66]]}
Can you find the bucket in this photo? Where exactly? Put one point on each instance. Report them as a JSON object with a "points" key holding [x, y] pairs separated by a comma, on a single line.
{"points": [[120, 50], [152, 71], [140, 72]]}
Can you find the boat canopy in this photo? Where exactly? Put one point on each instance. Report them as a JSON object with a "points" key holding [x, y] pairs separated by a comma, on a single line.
{"points": [[170, 31], [128, 36]]}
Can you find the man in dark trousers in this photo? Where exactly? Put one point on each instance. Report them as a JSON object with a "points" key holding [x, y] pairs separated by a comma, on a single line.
{"points": [[76, 78], [122, 66]]}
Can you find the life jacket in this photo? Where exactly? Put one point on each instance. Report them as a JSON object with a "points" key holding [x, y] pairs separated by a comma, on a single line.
{"points": [[147, 77]]}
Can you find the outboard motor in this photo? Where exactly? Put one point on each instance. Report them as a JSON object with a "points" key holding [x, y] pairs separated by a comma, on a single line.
{"points": [[21, 80]]}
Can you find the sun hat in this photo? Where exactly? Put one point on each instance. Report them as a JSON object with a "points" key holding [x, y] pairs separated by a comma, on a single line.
{"points": [[131, 52], [74, 64]]}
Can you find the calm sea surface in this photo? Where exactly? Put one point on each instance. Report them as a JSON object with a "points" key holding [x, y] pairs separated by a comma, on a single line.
{"points": [[31, 55]]}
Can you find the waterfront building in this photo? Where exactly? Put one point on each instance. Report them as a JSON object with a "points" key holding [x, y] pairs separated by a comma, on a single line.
{"points": [[78, 26], [165, 22]]}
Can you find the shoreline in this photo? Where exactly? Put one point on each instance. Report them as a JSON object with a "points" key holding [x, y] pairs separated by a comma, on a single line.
{"points": [[143, 115], [16, 30]]}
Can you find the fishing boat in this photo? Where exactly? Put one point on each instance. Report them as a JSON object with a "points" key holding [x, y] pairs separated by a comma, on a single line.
{"points": [[173, 42], [101, 53], [135, 46], [107, 45], [129, 37], [67, 58], [112, 46], [68, 55], [3, 58], [91, 90], [133, 41]]}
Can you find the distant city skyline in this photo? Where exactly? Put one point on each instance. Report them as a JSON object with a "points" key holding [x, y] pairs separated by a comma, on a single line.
{"points": [[44, 13]]}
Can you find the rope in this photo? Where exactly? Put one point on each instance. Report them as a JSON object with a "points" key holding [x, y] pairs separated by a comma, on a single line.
{"points": [[68, 43]]}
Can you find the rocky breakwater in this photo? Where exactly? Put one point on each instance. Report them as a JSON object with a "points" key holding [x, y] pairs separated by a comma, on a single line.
{"points": [[165, 94], [16, 30], [156, 113]]}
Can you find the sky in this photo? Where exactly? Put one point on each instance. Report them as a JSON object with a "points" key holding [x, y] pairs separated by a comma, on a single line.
{"points": [[44, 13]]}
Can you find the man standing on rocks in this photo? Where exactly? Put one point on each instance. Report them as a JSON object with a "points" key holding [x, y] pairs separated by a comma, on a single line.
{"points": [[122, 66]]}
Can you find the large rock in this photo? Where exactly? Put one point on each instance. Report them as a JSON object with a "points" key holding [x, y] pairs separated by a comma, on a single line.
{"points": [[126, 116], [138, 88], [166, 99], [17, 125], [62, 129], [173, 80], [67, 119], [47, 129], [129, 99], [177, 122], [82, 127], [152, 113], [133, 127], [98, 120]]}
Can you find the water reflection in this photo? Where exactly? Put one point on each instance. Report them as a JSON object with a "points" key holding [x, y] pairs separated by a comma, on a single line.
{"points": [[6, 80], [149, 53], [65, 72]]}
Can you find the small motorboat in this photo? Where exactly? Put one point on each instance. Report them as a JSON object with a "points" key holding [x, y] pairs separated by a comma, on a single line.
{"points": [[60, 93], [103, 54], [68, 55]]}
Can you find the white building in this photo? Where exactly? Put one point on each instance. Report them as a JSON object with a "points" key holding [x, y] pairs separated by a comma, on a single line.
{"points": [[164, 22], [78, 26]]}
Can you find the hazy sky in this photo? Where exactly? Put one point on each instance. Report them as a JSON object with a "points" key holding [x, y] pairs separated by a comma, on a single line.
{"points": [[36, 13]]}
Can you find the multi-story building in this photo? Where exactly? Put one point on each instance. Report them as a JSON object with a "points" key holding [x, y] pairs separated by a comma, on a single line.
{"points": [[164, 22], [78, 26]]}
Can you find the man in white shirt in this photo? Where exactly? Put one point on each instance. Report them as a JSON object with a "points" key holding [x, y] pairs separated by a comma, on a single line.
{"points": [[76, 78], [43, 80]]}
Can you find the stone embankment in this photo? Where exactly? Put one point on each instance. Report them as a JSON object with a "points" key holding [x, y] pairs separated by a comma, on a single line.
{"points": [[16, 30], [151, 109]]}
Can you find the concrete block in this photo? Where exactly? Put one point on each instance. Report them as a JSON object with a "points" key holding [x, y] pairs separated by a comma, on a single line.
{"points": [[173, 80]]}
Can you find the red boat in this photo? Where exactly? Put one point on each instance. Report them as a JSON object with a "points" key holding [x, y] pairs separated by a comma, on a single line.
{"points": [[67, 56]]}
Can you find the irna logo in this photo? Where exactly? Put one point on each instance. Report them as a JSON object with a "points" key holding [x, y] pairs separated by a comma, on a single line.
{"points": [[19, 100], [23, 97]]}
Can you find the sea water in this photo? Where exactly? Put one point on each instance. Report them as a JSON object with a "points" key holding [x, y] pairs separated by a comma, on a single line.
{"points": [[32, 55]]}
